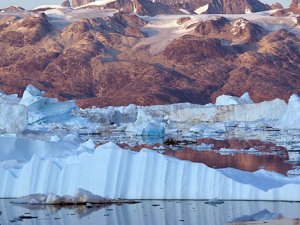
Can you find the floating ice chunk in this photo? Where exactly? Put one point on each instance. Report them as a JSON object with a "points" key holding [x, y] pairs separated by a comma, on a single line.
{"points": [[232, 100], [13, 118], [154, 130], [80, 197], [32, 199], [84, 196], [41, 108], [31, 95], [127, 114], [147, 129], [291, 119]]}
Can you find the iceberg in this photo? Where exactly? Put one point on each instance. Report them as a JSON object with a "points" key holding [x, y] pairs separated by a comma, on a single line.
{"points": [[112, 172], [291, 118], [43, 109], [268, 110], [231, 100]]}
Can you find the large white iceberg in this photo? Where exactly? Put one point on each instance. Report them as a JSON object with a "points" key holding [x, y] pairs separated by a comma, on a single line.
{"points": [[113, 172], [291, 118], [232, 100]]}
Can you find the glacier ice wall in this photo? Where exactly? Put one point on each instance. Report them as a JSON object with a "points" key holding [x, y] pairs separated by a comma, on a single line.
{"points": [[117, 173]]}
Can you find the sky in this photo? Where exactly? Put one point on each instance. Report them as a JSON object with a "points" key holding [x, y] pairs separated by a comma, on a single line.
{"points": [[29, 4]]}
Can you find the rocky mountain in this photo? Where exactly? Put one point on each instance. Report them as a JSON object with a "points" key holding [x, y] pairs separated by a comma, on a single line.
{"points": [[66, 3], [236, 6], [294, 8], [295, 4], [12, 9], [121, 59], [148, 7], [218, 6]]}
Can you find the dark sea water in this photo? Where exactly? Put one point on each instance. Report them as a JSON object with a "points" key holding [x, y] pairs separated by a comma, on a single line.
{"points": [[153, 212]]}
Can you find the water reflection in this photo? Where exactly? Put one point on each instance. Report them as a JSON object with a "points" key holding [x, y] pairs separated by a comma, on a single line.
{"points": [[154, 212]]}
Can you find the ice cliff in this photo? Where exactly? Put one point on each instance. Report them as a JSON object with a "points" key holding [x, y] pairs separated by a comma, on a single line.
{"points": [[113, 172]]}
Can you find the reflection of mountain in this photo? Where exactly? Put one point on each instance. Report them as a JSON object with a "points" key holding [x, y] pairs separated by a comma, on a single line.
{"points": [[262, 215], [247, 155]]}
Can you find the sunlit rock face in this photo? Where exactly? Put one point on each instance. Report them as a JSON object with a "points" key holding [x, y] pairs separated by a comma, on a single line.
{"points": [[123, 59]]}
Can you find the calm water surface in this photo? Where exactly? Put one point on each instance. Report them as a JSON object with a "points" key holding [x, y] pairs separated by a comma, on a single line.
{"points": [[155, 212]]}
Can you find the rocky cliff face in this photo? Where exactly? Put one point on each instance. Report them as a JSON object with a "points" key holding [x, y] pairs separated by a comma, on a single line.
{"points": [[294, 8], [236, 6], [295, 4], [66, 3], [12, 9], [109, 60]]}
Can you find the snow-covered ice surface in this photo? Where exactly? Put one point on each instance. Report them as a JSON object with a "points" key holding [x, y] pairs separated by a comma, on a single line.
{"points": [[56, 153]]}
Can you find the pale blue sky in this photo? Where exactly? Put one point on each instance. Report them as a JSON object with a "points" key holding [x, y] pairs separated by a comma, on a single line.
{"points": [[28, 4]]}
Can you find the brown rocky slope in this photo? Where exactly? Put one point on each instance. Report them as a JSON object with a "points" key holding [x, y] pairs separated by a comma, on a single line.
{"points": [[98, 61]]}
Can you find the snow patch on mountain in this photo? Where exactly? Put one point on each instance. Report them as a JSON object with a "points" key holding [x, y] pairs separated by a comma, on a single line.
{"points": [[202, 9]]}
